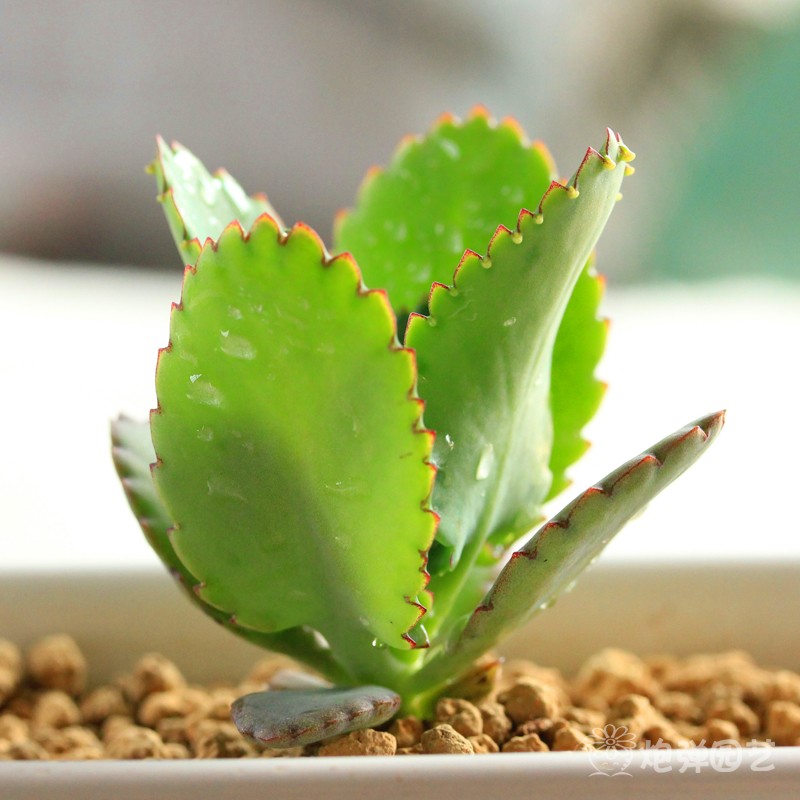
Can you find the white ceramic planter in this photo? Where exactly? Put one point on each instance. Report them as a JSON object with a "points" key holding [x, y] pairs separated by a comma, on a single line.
{"points": [[649, 608]]}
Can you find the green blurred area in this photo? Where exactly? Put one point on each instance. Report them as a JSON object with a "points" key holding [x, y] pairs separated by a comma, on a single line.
{"points": [[736, 210], [298, 98]]}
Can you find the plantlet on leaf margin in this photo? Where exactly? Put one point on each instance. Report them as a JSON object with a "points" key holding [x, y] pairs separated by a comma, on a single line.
{"points": [[327, 490]]}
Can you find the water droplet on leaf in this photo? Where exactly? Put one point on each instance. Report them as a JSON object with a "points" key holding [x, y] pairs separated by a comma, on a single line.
{"points": [[203, 392], [237, 194], [219, 485], [486, 463], [210, 191], [450, 148], [239, 347], [186, 162]]}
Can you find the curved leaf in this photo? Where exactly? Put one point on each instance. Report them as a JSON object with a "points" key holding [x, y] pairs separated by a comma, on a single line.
{"points": [[448, 191], [575, 393], [132, 452], [292, 717], [449, 188], [199, 205], [484, 357], [561, 550], [286, 494], [442, 193]]}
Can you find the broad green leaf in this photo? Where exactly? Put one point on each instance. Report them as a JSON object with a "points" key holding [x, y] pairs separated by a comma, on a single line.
{"points": [[442, 193], [561, 550], [292, 717], [449, 188], [199, 205], [447, 191], [133, 453], [575, 393], [484, 358], [289, 448]]}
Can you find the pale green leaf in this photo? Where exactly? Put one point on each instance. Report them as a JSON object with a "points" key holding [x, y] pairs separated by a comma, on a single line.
{"points": [[199, 205], [289, 451], [562, 549]]}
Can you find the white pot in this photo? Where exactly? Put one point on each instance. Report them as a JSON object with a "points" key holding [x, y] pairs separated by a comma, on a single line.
{"points": [[649, 608]]}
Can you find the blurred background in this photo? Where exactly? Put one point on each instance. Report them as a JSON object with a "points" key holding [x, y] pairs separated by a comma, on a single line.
{"points": [[298, 98]]}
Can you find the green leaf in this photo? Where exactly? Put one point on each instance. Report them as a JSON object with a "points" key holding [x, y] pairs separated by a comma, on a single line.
{"points": [[554, 558], [575, 393], [199, 205], [292, 717], [441, 194], [448, 191], [132, 452], [288, 441], [484, 357]]}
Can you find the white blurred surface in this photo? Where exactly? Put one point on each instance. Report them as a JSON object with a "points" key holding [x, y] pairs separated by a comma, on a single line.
{"points": [[79, 346]]}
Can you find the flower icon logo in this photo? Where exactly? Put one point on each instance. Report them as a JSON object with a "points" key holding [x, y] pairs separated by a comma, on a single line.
{"points": [[613, 738], [612, 753]]}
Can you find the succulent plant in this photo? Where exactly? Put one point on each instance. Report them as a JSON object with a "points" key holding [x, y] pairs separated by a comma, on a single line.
{"points": [[337, 472]]}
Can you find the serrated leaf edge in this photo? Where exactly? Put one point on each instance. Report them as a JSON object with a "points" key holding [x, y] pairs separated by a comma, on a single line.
{"points": [[706, 428], [418, 428], [602, 386], [444, 119], [191, 245], [467, 644], [525, 216]]}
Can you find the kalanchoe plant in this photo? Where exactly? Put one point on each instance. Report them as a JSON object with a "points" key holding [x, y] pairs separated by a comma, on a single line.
{"points": [[328, 490]]}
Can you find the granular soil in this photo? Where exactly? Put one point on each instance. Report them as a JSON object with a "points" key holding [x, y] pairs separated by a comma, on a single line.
{"points": [[617, 700]]}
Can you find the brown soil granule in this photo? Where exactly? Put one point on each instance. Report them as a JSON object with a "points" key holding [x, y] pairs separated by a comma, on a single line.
{"points": [[444, 738], [368, 742], [133, 741], [56, 662], [407, 731], [104, 702], [529, 699], [527, 743], [214, 739], [152, 674], [783, 722], [568, 736], [496, 722], [461, 715], [483, 743], [617, 699], [11, 670]]}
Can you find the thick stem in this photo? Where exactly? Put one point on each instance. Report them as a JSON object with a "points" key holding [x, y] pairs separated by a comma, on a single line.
{"points": [[368, 661]]}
